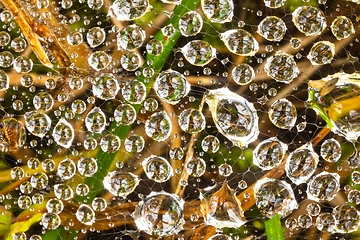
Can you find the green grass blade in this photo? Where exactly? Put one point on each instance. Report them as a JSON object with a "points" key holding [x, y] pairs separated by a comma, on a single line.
{"points": [[273, 228]]}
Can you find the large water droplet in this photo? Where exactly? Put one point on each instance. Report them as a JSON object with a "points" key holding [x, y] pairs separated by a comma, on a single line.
{"points": [[134, 143], [282, 113], [127, 10], [273, 196], [154, 47], [66, 169], [95, 36], [234, 116], [342, 27], [195, 167], [105, 87], [110, 143], [330, 150], [85, 215], [269, 153], [309, 20], [12, 135], [157, 168], [272, 28], [240, 42], [87, 167], [218, 11], [274, 3], [99, 60], [242, 74], [63, 133], [160, 214], [347, 218], [321, 53], [158, 126], [198, 52], [121, 183], [50, 221], [130, 37], [190, 24], [134, 91], [324, 186], [125, 114], [37, 123], [192, 121], [281, 67], [6, 59], [210, 144], [63, 191], [95, 120], [325, 222], [39, 180]]}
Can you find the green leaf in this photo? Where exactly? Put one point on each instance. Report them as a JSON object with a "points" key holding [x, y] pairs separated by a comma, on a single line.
{"points": [[273, 228], [5, 220]]}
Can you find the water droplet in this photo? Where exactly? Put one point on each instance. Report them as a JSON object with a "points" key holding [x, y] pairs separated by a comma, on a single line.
{"points": [[18, 44], [99, 204], [85, 215], [22, 64], [134, 143], [66, 4], [151, 104], [37, 123], [126, 10], [50, 221], [160, 214], [243, 74], [78, 106], [95, 120], [274, 3], [95, 36], [154, 47], [295, 42], [301, 164], [82, 189], [24, 202], [196, 167], [6, 59], [220, 206], [4, 38], [157, 168], [63, 191], [354, 196], [342, 27], [330, 150], [176, 153], [281, 67], [269, 153], [190, 24], [218, 11], [234, 116], [125, 114], [291, 223], [321, 53], [12, 135], [272, 28], [225, 170], [210, 144], [90, 143], [66, 169], [63, 133], [121, 183], [191, 121], [198, 52], [74, 38], [95, 4], [282, 114], [87, 167], [99, 60], [158, 126], [130, 38], [305, 221], [39, 180], [325, 222], [54, 205], [309, 20], [240, 42], [273, 196], [134, 92], [110, 143], [26, 187], [323, 186], [347, 218]]}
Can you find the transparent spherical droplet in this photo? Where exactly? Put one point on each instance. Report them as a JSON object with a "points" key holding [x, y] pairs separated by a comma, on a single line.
{"points": [[218, 11], [347, 218], [74, 38], [17, 173], [26, 80], [43, 101], [127, 10], [50, 83], [99, 204], [274, 3], [225, 170], [321, 53], [125, 114], [48, 165], [54, 205], [110, 143], [76, 83], [130, 37], [190, 24], [82, 189], [158, 126], [330, 150], [282, 113], [355, 177], [22, 64], [305, 221], [157, 168], [35, 237], [273, 196], [176, 153], [24, 202], [301, 164], [37, 123], [26, 187], [66, 169], [295, 42], [134, 91], [4, 81], [342, 27], [18, 105], [210, 144], [242, 74], [39, 180], [134, 143], [4, 38], [154, 47], [87, 167], [354, 196], [130, 61], [151, 104], [12, 135], [63, 191], [78, 106], [121, 183], [95, 36], [85, 215], [171, 86], [168, 31], [90, 143], [160, 214], [63, 133], [18, 44], [324, 186], [240, 42], [198, 52], [6, 59], [95, 120], [281, 67], [234, 116], [6, 16], [325, 222], [105, 87], [220, 206], [191, 121], [37, 198], [50, 221], [196, 167], [291, 223], [309, 20], [95, 4], [269, 153], [66, 4], [99, 60], [272, 28]]}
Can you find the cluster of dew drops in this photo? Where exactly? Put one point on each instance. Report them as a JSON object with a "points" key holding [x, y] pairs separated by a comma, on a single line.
{"points": [[236, 118]]}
